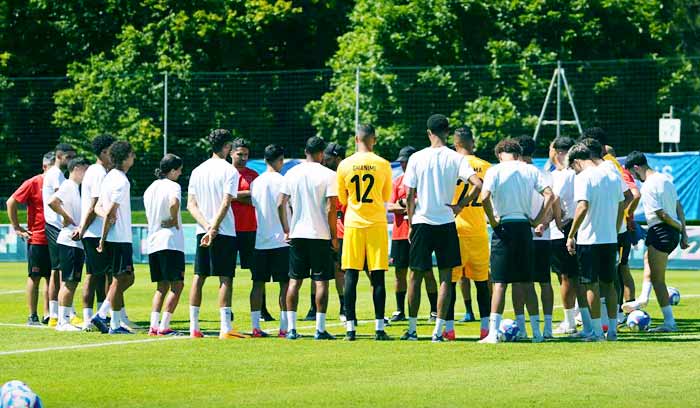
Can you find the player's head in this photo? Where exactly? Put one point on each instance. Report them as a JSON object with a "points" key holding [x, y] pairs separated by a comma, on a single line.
{"points": [[333, 154], [527, 144], [77, 167], [170, 167], [438, 126], [508, 150], [48, 160], [577, 156], [560, 147], [637, 164], [464, 139], [596, 133], [220, 141], [366, 135], [315, 145], [64, 154], [122, 156], [240, 152], [100, 146], [596, 148], [405, 154], [274, 156]]}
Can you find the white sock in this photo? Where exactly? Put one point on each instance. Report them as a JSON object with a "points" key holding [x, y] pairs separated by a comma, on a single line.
{"points": [[439, 327], [494, 322], [586, 320], [165, 321], [53, 309], [87, 314], [320, 322], [646, 291], [292, 320], [116, 321], [124, 315], [597, 327], [71, 312], [255, 319], [378, 324], [535, 325], [412, 324], [194, 319], [548, 324], [350, 325], [449, 325], [105, 307], [99, 305], [570, 318], [283, 320], [668, 315], [63, 313], [484, 323], [520, 320], [155, 317], [225, 319]]}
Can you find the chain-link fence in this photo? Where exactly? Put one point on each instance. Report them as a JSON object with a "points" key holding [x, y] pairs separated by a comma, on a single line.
{"points": [[624, 97]]}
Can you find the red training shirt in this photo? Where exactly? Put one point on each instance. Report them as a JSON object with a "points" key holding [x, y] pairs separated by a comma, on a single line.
{"points": [[339, 225], [29, 193], [399, 191], [244, 214]]}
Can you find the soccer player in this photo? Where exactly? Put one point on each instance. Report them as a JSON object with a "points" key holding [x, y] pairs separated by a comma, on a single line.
{"points": [[114, 205], [311, 190], [598, 216], [473, 237], [271, 255], [507, 191], [52, 181], [213, 185], [38, 261], [666, 220], [364, 186], [66, 203], [166, 243], [431, 175], [96, 264]]}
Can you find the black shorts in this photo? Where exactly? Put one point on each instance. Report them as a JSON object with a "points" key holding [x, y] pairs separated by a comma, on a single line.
{"points": [[95, 263], [511, 252], [72, 260], [271, 264], [218, 259], [441, 239], [541, 261], [563, 263], [51, 236], [663, 237], [400, 249], [311, 258], [624, 246], [245, 247], [38, 261], [597, 263], [167, 265], [121, 258]]}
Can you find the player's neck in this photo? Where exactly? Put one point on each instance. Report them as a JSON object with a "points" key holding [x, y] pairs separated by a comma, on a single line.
{"points": [[361, 148], [218, 156], [587, 164], [526, 159], [647, 173], [271, 169]]}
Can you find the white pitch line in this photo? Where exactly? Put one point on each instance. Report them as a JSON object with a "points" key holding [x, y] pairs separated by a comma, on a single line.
{"points": [[11, 292], [91, 345]]}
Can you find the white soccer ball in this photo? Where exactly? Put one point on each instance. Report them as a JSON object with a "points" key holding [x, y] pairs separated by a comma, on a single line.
{"points": [[638, 320], [508, 330], [16, 394], [674, 296]]}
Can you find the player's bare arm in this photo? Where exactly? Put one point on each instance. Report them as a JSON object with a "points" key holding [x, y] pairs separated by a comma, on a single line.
{"points": [[213, 230], [57, 207], [282, 204], [14, 220], [193, 209], [110, 213], [579, 216]]}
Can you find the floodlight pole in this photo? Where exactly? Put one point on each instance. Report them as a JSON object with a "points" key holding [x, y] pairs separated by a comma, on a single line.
{"points": [[165, 115], [357, 99], [558, 98], [558, 78]]}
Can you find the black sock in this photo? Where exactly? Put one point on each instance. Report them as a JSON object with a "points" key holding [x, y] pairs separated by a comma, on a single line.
{"points": [[483, 298], [378, 293], [263, 309], [400, 301], [432, 297], [468, 306], [453, 298], [350, 293]]}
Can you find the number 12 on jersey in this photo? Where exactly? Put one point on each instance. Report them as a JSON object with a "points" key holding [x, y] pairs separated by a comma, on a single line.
{"points": [[363, 197]]}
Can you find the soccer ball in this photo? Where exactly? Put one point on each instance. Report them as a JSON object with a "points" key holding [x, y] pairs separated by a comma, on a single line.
{"points": [[16, 394], [508, 330], [674, 296], [638, 320]]}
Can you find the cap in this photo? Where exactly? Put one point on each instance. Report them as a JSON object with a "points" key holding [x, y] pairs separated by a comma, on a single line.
{"points": [[405, 153], [335, 149]]}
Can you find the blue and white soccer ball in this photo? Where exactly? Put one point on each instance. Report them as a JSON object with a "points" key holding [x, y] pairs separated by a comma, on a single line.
{"points": [[16, 394], [638, 320], [674, 296], [508, 330]]}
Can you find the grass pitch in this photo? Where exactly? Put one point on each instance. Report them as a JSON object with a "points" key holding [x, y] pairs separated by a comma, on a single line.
{"points": [[90, 369]]}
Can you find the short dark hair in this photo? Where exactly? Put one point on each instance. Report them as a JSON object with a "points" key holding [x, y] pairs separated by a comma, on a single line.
{"points": [[168, 163], [563, 143], [218, 139], [527, 144], [315, 144], [102, 142], [439, 125], [77, 162], [635, 158], [463, 133], [273, 152], [508, 146], [596, 133], [579, 151], [365, 130], [49, 158], [119, 152], [241, 142], [594, 146], [64, 147]]}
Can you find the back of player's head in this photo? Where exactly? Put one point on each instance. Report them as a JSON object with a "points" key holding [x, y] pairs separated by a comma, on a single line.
{"points": [[527, 144], [635, 158], [77, 162], [596, 133], [64, 147], [315, 145], [119, 152], [579, 151], [273, 153], [510, 146], [49, 159], [594, 146], [439, 125], [334, 149], [102, 142], [405, 153], [365, 131], [241, 142], [218, 139], [168, 163], [563, 143], [463, 135]]}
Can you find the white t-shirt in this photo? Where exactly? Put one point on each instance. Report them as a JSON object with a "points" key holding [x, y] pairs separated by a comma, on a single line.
{"points": [[563, 187], [116, 189], [156, 201], [69, 194], [309, 185], [90, 189], [209, 183], [433, 172], [659, 193], [610, 167], [53, 178], [538, 202], [603, 192], [264, 193], [512, 184]]}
